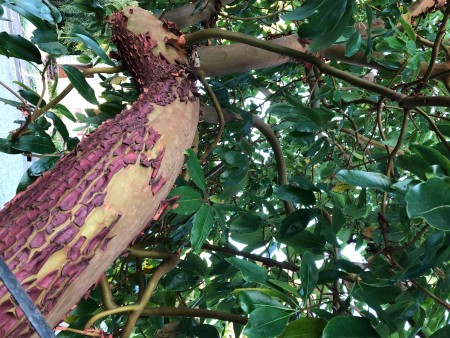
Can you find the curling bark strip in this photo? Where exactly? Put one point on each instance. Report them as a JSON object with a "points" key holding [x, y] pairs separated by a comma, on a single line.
{"points": [[64, 230]]}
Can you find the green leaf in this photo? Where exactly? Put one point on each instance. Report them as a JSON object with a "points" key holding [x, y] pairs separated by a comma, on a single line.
{"points": [[205, 331], [47, 40], [24, 182], [59, 125], [353, 44], [443, 332], [79, 82], [34, 144], [327, 24], [266, 322], [5, 147], [250, 271], [304, 328], [90, 42], [431, 156], [189, 202], [235, 181], [245, 223], [202, 225], [364, 179], [34, 7], [409, 30], [309, 275], [383, 294], [305, 241], [18, 47], [249, 300], [236, 159], [36, 170], [330, 276], [195, 170], [305, 10], [31, 97], [180, 280], [326, 40], [42, 165], [295, 195], [431, 201], [296, 222], [66, 112], [349, 327]]}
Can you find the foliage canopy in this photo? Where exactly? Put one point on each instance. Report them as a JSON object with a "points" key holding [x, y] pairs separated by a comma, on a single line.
{"points": [[340, 154]]}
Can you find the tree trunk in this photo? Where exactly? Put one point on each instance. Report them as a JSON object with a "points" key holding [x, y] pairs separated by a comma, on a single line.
{"points": [[61, 234]]}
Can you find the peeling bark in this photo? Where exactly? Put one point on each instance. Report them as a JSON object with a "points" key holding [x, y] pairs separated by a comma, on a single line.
{"points": [[64, 230]]}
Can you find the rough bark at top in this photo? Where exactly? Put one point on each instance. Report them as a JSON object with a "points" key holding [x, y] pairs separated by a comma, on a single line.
{"points": [[62, 233]]}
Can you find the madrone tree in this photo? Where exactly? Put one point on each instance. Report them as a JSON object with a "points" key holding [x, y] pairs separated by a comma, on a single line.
{"points": [[312, 199]]}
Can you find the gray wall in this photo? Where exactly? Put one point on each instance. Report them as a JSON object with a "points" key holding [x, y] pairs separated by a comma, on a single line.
{"points": [[11, 166]]}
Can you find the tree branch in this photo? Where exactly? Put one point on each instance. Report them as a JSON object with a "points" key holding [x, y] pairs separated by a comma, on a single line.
{"points": [[264, 260], [403, 100], [159, 272]]}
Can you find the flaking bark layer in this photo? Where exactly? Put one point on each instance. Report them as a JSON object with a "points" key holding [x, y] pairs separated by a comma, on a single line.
{"points": [[60, 234]]}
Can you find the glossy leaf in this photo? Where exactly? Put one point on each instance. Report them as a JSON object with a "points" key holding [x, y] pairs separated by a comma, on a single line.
{"points": [[34, 144], [47, 41], [189, 202], [64, 111], [59, 125], [307, 327], [249, 300], [294, 223], [365, 179], [295, 195], [180, 280], [32, 97], [203, 223], [42, 165], [309, 275], [443, 332], [409, 30], [18, 47], [79, 82], [349, 327], [35, 8], [246, 223], [353, 44], [266, 322], [305, 10], [195, 170], [92, 44], [250, 271], [205, 331], [430, 201]]}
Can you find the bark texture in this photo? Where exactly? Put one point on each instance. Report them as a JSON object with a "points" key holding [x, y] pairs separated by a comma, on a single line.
{"points": [[61, 234]]}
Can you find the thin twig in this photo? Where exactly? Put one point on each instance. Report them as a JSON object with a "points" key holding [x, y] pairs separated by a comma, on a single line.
{"points": [[24, 102], [219, 111], [159, 272], [437, 44], [434, 127]]}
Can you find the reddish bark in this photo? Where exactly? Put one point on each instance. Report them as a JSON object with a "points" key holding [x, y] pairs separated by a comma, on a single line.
{"points": [[60, 234]]}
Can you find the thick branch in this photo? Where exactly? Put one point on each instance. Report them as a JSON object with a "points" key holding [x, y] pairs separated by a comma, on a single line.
{"points": [[403, 100]]}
